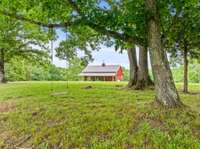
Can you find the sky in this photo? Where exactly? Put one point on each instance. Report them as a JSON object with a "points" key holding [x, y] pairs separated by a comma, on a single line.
{"points": [[105, 54]]}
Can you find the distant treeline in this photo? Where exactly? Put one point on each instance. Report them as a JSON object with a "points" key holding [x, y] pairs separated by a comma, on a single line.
{"points": [[194, 73], [22, 70]]}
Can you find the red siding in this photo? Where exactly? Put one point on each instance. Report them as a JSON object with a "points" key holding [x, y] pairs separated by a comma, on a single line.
{"points": [[119, 75]]}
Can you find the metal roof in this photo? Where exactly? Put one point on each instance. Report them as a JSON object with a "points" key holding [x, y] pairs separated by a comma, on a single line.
{"points": [[97, 74], [100, 70]]}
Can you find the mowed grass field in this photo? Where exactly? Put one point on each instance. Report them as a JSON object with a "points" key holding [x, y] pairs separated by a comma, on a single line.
{"points": [[48, 115]]}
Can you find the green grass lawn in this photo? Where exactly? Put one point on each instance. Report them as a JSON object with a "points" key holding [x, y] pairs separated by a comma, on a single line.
{"points": [[44, 115]]}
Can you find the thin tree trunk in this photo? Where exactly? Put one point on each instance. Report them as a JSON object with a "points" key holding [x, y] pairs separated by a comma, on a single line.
{"points": [[2, 67], [144, 79], [166, 92], [132, 67], [185, 86]]}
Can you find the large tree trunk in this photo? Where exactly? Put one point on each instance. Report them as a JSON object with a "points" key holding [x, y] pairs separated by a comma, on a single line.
{"points": [[166, 92], [185, 57], [133, 68], [2, 66], [144, 79]]}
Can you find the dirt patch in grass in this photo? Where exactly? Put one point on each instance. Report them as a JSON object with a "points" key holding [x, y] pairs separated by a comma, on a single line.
{"points": [[7, 106], [16, 97], [155, 123], [119, 86], [194, 93], [88, 87], [59, 94]]}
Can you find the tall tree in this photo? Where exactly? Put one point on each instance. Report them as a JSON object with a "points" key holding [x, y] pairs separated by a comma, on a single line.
{"points": [[17, 40], [143, 79], [183, 37], [166, 92], [133, 67], [138, 69]]}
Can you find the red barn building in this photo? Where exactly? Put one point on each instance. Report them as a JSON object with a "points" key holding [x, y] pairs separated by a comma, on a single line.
{"points": [[102, 73]]}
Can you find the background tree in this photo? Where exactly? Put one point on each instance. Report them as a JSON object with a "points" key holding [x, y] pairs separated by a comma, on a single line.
{"points": [[183, 38], [143, 79], [133, 67], [16, 40]]}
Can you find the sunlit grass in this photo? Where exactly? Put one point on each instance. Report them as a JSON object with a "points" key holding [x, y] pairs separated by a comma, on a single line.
{"points": [[52, 115]]}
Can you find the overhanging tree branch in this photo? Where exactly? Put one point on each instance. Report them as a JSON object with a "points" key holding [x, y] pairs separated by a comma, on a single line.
{"points": [[31, 42], [22, 18], [122, 36], [111, 33]]}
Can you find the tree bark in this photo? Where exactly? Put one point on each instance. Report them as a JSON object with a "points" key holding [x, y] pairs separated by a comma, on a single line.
{"points": [[166, 92], [185, 57], [143, 79], [2, 67], [133, 67]]}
